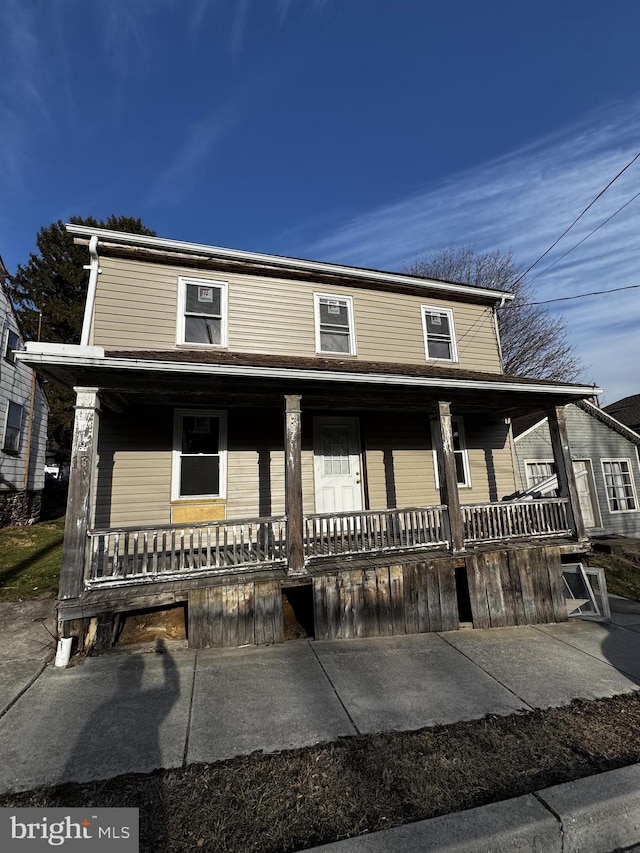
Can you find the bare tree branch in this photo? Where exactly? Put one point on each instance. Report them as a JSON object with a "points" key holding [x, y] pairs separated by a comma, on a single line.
{"points": [[533, 342]]}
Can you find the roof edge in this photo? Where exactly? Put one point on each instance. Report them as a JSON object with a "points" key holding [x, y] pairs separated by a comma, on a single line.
{"points": [[298, 264]]}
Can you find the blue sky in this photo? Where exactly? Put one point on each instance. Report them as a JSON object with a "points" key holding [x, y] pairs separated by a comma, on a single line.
{"points": [[366, 132]]}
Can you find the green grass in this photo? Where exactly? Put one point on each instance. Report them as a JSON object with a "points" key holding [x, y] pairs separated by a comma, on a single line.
{"points": [[622, 572], [30, 559]]}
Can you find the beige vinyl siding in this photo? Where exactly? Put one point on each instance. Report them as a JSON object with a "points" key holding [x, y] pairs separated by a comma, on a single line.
{"points": [[133, 482], [490, 460], [255, 465], [137, 302], [134, 464], [399, 461], [133, 485]]}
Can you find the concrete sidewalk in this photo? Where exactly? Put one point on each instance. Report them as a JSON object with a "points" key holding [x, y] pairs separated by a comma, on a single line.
{"points": [[133, 712]]}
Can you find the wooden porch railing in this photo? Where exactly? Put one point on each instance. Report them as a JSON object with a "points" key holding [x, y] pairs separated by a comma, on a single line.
{"points": [[512, 519], [141, 553], [373, 530], [138, 554]]}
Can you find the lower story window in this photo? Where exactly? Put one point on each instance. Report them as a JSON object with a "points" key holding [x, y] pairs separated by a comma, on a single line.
{"points": [[199, 454], [460, 455], [13, 429], [618, 481]]}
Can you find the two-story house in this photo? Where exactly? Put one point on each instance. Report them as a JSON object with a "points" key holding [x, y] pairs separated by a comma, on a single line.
{"points": [[247, 423], [23, 423]]}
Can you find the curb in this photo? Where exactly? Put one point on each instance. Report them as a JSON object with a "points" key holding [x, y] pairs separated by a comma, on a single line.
{"points": [[597, 814]]}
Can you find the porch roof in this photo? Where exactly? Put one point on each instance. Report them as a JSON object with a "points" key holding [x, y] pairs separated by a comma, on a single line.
{"points": [[253, 379]]}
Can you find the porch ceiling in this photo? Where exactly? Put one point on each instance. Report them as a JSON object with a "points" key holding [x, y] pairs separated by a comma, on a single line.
{"points": [[248, 380]]}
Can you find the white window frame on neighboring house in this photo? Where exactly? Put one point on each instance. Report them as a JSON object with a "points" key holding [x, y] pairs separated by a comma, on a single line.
{"points": [[13, 447], [450, 339], [178, 454], [8, 352], [183, 283], [533, 482], [319, 298], [615, 497], [462, 452]]}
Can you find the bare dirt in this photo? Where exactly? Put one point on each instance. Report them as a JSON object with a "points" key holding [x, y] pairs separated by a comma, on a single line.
{"points": [[300, 798]]}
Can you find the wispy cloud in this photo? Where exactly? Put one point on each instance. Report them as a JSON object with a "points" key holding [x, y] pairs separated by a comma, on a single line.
{"points": [[522, 202], [22, 95], [179, 176]]}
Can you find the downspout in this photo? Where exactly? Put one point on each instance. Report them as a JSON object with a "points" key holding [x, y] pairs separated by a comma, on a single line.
{"points": [[94, 270], [497, 329]]}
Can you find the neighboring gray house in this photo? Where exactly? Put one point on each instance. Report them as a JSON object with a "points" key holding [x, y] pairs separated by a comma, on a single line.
{"points": [[627, 411], [605, 461], [23, 424]]}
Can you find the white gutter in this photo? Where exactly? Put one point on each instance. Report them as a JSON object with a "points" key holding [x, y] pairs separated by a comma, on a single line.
{"points": [[94, 271], [125, 239], [34, 357]]}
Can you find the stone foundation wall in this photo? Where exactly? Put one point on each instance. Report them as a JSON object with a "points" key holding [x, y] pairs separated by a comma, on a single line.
{"points": [[20, 507]]}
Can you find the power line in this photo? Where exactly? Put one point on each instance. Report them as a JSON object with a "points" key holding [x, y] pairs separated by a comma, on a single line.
{"points": [[608, 219], [566, 298], [578, 218]]}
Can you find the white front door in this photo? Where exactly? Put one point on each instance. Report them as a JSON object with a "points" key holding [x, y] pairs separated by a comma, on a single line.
{"points": [[337, 465]]}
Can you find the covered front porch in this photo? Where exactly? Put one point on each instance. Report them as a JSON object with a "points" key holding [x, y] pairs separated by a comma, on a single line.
{"points": [[290, 437]]}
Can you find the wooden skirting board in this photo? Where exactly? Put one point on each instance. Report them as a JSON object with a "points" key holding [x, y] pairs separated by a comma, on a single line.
{"points": [[374, 597], [506, 587]]}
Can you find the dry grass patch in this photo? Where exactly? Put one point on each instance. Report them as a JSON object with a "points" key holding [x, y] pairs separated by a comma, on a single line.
{"points": [[299, 798]]}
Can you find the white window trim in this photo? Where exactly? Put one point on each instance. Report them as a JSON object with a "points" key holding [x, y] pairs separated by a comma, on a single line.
{"points": [[465, 454], [352, 325], [11, 359], [176, 454], [223, 286], [528, 462], [633, 484], [427, 309]]}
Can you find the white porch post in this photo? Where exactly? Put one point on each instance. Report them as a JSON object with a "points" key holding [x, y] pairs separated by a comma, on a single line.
{"points": [[81, 475]]}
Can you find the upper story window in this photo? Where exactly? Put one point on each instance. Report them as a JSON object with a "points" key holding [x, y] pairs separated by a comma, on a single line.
{"points": [[12, 343], [13, 429], [335, 332], [439, 334], [202, 307], [199, 454], [619, 485]]}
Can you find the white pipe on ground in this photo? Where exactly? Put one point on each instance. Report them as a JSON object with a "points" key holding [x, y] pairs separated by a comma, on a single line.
{"points": [[63, 651]]}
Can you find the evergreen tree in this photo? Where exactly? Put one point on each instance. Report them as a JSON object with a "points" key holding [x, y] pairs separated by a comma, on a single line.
{"points": [[49, 293]]}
